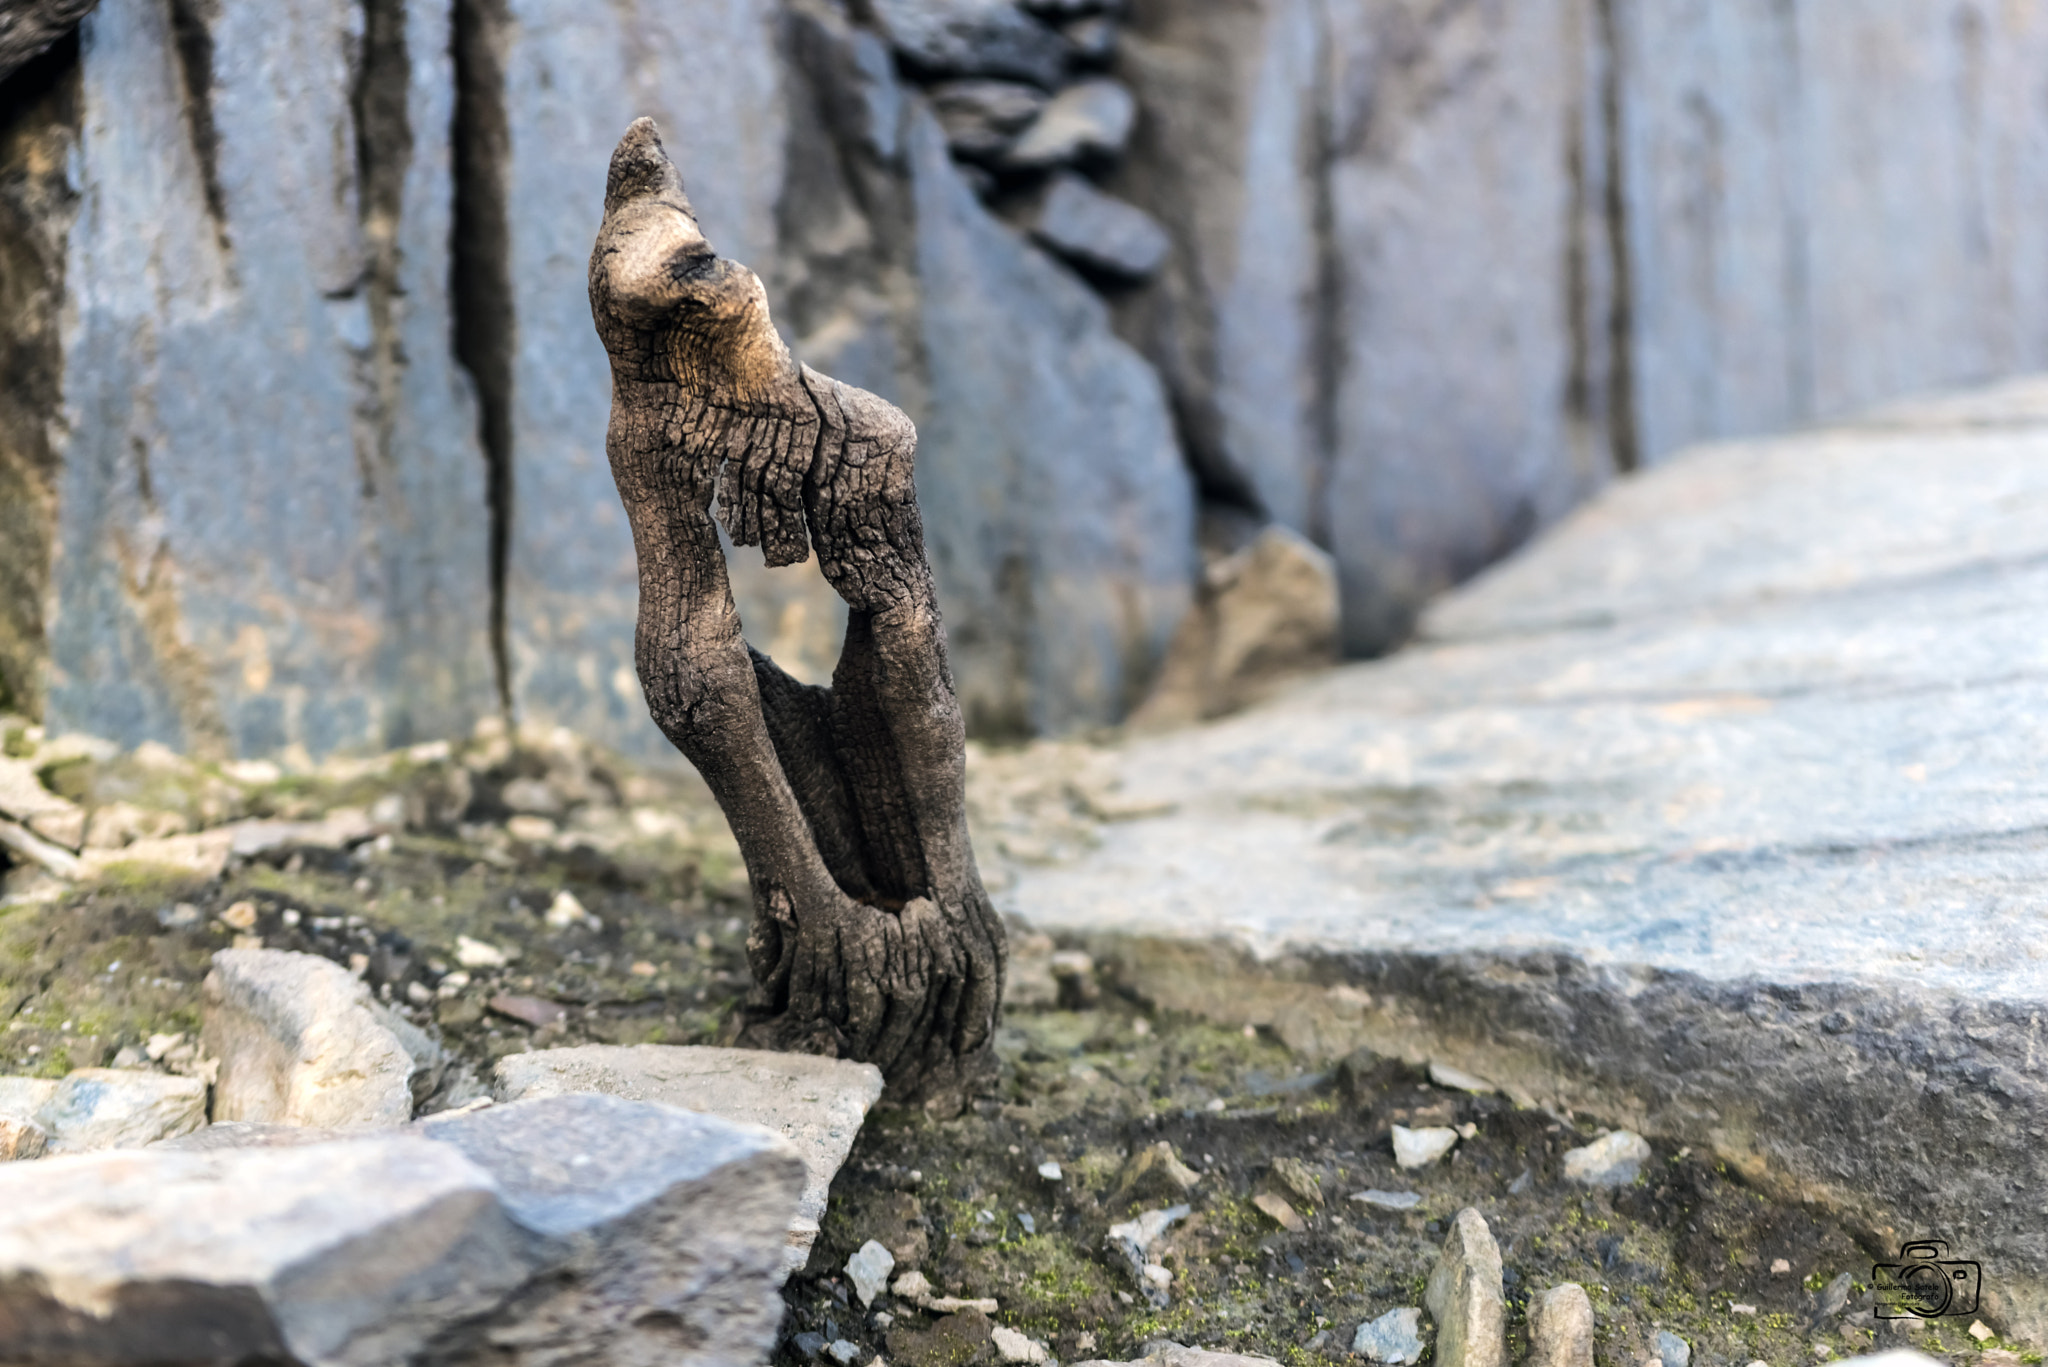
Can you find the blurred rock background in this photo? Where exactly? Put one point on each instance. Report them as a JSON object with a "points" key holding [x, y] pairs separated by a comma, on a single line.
{"points": [[302, 419]]}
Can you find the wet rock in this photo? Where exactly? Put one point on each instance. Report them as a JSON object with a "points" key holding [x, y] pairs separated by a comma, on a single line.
{"points": [[1394, 1338], [972, 38], [301, 1041], [1561, 1328], [869, 1268], [1673, 1351], [1264, 614], [1154, 1172], [1419, 1148], [1613, 1160], [663, 1232], [1465, 1296], [1089, 120], [983, 117], [119, 1108], [1098, 232], [818, 1104]]}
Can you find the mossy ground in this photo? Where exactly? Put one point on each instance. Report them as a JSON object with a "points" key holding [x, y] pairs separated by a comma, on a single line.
{"points": [[103, 969]]}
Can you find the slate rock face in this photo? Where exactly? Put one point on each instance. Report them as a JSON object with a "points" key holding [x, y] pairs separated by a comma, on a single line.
{"points": [[267, 527], [1058, 513], [972, 38]]}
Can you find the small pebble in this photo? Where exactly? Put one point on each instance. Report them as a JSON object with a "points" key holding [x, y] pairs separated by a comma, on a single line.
{"points": [[843, 1351], [1612, 1160], [810, 1345], [1394, 1338], [869, 1268], [1388, 1200], [1281, 1213], [1779, 1267], [1420, 1148], [1050, 1171], [1981, 1331], [1012, 1346], [240, 916], [1672, 1350]]}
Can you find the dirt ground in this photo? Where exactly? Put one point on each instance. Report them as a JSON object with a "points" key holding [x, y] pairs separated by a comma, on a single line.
{"points": [[455, 914]]}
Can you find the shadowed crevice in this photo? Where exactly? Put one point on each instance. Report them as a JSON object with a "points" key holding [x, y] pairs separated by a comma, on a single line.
{"points": [[480, 287], [192, 24]]}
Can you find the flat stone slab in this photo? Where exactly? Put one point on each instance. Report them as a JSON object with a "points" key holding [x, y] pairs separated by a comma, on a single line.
{"points": [[1718, 812], [584, 1228], [818, 1104]]}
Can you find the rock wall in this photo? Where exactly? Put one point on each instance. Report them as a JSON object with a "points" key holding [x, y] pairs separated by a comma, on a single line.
{"points": [[302, 440], [268, 500]]}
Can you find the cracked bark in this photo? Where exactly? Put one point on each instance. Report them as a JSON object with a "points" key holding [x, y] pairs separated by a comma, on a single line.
{"points": [[873, 938]]}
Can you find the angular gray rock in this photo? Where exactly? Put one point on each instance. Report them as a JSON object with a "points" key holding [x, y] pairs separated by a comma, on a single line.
{"points": [[817, 1104], [1465, 1296], [982, 117], [119, 1108], [1673, 1351], [1058, 512], [301, 1042], [972, 38], [1590, 807], [578, 1226], [1090, 119], [1394, 1338], [1561, 1328], [660, 1233], [341, 1255], [1098, 232], [268, 503]]}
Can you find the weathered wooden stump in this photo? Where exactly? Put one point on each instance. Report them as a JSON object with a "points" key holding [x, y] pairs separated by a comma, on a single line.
{"points": [[873, 938]]}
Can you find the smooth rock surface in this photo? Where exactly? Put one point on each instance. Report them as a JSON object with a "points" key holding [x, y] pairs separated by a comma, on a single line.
{"points": [[119, 1108], [1613, 1160], [1394, 1338], [1465, 1298], [1098, 232], [1650, 823], [301, 1042], [1561, 1328], [817, 1104], [1420, 1148]]}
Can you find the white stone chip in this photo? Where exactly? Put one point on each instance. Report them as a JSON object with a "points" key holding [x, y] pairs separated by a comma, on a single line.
{"points": [[1457, 1079], [1050, 1172], [1012, 1346], [1612, 1160], [869, 1267], [1394, 1338], [1420, 1148]]}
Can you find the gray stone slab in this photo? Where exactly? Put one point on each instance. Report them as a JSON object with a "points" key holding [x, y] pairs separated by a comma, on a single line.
{"points": [[660, 1233], [817, 1104], [1058, 513], [338, 1255], [1713, 814], [119, 1108], [269, 527], [1097, 231], [972, 38]]}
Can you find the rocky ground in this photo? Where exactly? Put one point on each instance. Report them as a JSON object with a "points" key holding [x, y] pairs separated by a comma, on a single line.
{"points": [[525, 892]]}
